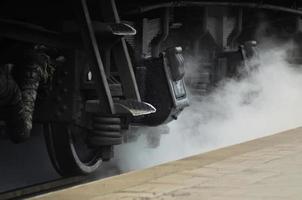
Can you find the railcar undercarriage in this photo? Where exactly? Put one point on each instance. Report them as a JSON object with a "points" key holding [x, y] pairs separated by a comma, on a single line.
{"points": [[89, 69]]}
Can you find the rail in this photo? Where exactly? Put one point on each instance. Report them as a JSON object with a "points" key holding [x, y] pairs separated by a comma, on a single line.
{"points": [[28, 191]]}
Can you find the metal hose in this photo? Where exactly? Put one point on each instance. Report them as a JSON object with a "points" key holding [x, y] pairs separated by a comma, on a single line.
{"points": [[19, 101], [12, 106]]}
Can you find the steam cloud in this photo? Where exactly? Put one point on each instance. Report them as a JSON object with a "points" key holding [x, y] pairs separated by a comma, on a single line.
{"points": [[265, 102]]}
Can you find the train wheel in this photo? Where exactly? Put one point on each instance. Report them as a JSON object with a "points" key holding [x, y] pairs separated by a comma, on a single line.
{"points": [[69, 151]]}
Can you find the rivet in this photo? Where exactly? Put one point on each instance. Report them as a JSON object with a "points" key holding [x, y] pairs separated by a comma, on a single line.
{"points": [[59, 82], [63, 108], [58, 99], [65, 90], [58, 114]]}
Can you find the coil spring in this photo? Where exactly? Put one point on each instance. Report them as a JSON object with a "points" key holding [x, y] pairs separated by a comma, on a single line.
{"points": [[106, 131]]}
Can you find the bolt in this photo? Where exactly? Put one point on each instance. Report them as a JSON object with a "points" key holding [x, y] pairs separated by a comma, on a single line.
{"points": [[65, 90], [63, 108], [58, 99], [59, 82], [65, 73], [58, 114]]}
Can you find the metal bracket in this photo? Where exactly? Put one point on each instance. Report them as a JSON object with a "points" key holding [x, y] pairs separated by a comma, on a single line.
{"points": [[91, 45], [121, 54], [124, 107]]}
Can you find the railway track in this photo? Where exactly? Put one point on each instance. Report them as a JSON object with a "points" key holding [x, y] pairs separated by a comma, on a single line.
{"points": [[32, 190], [108, 170]]}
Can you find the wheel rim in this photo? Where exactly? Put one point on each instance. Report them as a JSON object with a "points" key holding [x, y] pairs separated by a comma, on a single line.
{"points": [[69, 153]]}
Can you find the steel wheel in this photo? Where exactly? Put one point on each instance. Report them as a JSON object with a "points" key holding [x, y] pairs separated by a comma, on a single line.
{"points": [[69, 151]]}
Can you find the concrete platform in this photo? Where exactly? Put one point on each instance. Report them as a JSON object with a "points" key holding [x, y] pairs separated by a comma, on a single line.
{"points": [[266, 168]]}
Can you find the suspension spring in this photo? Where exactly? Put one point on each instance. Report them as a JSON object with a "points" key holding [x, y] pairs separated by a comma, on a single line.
{"points": [[106, 131]]}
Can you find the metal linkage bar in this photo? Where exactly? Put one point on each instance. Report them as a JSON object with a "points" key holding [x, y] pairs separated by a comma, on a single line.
{"points": [[165, 20], [147, 8], [121, 54], [237, 30], [91, 45]]}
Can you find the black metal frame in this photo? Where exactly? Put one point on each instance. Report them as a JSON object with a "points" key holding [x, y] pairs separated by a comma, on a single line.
{"points": [[91, 46], [31, 33], [62, 103], [171, 4]]}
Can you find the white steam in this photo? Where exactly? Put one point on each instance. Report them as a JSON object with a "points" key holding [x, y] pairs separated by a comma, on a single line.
{"points": [[266, 102]]}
